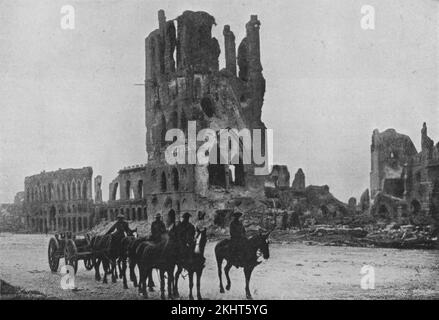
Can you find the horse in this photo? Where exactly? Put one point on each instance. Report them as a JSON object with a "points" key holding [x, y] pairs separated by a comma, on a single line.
{"points": [[106, 249], [162, 256], [194, 263], [101, 247], [249, 258], [135, 255], [126, 243]]}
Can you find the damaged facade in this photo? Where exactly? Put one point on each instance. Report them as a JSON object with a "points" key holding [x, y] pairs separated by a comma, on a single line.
{"points": [[404, 182], [59, 201], [183, 83], [192, 88]]}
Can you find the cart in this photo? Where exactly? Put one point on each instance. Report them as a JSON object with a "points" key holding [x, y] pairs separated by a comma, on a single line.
{"points": [[72, 249]]}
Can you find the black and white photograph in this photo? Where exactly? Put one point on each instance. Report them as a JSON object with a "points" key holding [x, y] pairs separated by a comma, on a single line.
{"points": [[239, 152]]}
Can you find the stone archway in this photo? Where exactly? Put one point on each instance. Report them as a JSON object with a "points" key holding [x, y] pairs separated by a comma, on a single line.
{"points": [[175, 179], [163, 183], [52, 219], [170, 217]]}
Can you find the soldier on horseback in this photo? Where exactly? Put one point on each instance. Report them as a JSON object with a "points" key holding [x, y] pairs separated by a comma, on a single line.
{"points": [[121, 227], [237, 238], [201, 222], [186, 233], [158, 228]]}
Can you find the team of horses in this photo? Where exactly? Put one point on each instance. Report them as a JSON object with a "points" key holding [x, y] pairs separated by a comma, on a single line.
{"points": [[170, 257]]}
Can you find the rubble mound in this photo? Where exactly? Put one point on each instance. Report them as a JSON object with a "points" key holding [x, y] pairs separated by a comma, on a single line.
{"points": [[9, 292]]}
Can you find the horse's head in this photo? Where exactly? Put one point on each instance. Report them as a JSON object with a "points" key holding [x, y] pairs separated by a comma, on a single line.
{"points": [[263, 244], [200, 241]]}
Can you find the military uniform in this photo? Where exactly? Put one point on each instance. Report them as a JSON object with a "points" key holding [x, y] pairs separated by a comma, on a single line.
{"points": [[157, 229], [201, 223], [121, 228], [237, 239], [186, 232]]}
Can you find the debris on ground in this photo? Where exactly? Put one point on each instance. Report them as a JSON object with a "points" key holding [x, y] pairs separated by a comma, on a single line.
{"points": [[9, 292]]}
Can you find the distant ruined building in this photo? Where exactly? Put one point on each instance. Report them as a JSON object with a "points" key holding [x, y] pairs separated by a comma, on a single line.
{"points": [[403, 181], [59, 200]]}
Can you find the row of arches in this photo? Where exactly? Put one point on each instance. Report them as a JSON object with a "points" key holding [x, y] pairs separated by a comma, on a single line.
{"points": [[136, 213], [162, 181], [388, 211], [72, 223], [63, 210], [141, 212], [75, 190], [173, 180], [129, 192], [160, 125]]}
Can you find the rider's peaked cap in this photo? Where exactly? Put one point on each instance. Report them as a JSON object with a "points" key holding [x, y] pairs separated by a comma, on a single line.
{"points": [[120, 216], [187, 215], [158, 215], [237, 214]]}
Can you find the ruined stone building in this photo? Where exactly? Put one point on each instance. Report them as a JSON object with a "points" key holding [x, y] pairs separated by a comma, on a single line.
{"points": [[192, 88], [183, 83], [59, 201], [404, 181]]}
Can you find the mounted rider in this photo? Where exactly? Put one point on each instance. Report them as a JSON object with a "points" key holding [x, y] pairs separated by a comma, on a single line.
{"points": [[237, 238], [158, 228], [201, 222], [185, 231], [120, 229]]}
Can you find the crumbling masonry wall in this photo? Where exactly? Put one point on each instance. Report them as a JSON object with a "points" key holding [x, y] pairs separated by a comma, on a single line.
{"points": [[59, 200], [404, 181], [192, 88]]}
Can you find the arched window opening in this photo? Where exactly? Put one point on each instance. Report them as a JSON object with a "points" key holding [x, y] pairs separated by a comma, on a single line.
{"points": [[84, 189], [175, 180], [78, 184], [140, 189], [115, 194], [170, 218], [163, 186], [128, 189], [173, 120], [73, 190]]}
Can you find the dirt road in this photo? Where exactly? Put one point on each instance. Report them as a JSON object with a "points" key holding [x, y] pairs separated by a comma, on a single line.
{"points": [[294, 271]]}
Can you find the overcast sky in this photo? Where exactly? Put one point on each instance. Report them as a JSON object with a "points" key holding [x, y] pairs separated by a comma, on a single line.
{"points": [[68, 99]]}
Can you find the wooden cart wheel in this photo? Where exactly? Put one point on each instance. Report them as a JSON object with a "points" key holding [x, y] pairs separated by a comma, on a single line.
{"points": [[71, 254], [88, 263], [53, 254]]}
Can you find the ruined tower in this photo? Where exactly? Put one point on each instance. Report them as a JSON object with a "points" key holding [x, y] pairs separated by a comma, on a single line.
{"points": [[390, 151], [193, 88], [230, 50]]}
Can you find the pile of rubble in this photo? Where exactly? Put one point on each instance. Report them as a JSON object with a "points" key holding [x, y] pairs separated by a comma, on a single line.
{"points": [[404, 237], [389, 236], [9, 292]]}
